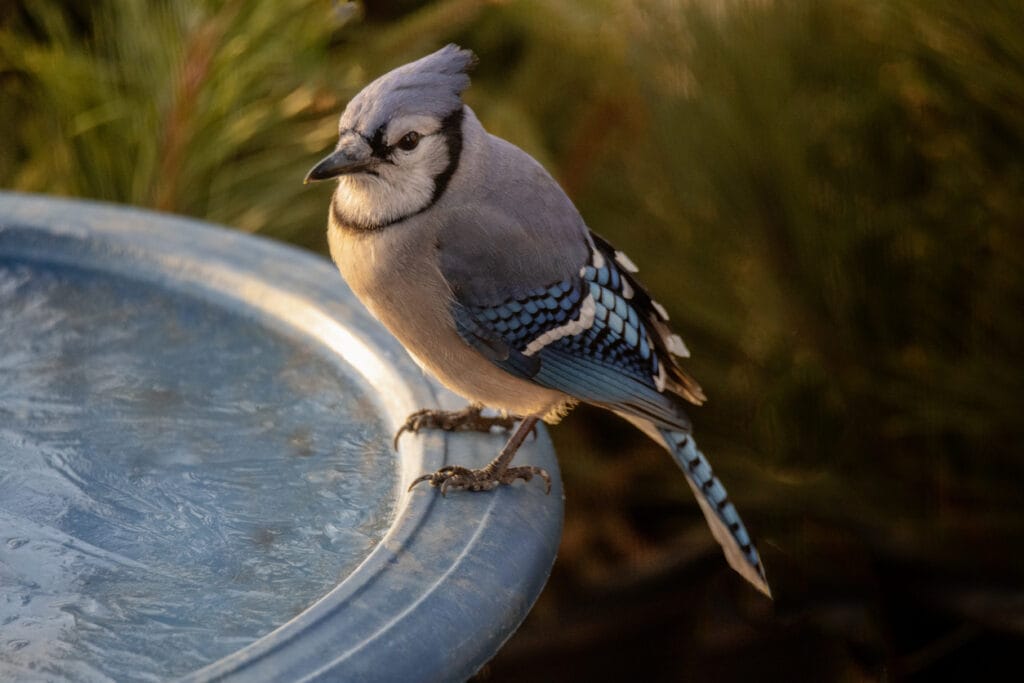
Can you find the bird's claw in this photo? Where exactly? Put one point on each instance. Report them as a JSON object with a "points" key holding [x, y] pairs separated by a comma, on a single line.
{"points": [[464, 479], [467, 419]]}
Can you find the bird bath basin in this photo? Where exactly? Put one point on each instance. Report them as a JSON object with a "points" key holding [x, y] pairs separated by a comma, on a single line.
{"points": [[196, 477]]}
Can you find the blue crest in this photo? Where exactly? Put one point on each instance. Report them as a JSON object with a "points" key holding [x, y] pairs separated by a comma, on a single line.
{"points": [[432, 85]]}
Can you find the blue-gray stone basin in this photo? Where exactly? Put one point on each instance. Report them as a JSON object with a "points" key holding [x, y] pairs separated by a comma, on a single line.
{"points": [[196, 477]]}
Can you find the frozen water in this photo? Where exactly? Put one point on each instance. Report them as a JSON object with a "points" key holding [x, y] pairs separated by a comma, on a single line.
{"points": [[176, 478]]}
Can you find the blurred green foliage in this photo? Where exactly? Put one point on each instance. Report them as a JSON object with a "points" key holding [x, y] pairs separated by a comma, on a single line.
{"points": [[827, 196], [208, 109]]}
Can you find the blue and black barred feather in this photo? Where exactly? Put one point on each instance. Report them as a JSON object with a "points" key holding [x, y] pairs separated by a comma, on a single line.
{"points": [[723, 518], [677, 380], [521, 320], [618, 336], [589, 336]]}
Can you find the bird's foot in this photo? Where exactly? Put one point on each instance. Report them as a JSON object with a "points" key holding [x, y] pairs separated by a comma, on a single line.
{"points": [[469, 419], [492, 474], [483, 479]]}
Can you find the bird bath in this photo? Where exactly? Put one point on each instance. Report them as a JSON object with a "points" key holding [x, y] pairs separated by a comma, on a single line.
{"points": [[196, 477]]}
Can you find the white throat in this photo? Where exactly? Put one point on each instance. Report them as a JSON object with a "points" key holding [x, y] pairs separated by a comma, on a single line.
{"points": [[400, 189]]}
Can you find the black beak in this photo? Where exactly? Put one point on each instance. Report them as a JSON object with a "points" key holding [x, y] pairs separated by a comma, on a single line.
{"points": [[338, 163]]}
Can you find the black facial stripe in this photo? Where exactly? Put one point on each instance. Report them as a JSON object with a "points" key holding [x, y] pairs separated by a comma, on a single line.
{"points": [[451, 128], [378, 147]]}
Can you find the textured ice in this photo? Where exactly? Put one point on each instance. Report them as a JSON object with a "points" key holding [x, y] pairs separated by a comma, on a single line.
{"points": [[176, 478]]}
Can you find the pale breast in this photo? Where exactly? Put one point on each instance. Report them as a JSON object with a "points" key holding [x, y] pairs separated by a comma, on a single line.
{"points": [[396, 276]]}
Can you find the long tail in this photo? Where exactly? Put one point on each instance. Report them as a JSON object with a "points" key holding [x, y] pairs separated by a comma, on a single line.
{"points": [[726, 525]]}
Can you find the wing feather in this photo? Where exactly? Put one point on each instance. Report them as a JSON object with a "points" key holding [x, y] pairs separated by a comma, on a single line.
{"points": [[594, 334]]}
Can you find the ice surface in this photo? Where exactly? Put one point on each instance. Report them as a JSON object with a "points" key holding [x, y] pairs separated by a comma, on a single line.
{"points": [[176, 478]]}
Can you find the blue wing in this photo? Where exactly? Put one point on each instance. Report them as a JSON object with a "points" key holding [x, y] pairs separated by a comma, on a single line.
{"points": [[595, 335]]}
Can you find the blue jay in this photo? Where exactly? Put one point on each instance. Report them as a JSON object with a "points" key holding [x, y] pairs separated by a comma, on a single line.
{"points": [[465, 248]]}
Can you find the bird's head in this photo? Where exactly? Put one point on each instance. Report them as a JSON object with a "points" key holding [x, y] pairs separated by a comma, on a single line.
{"points": [[399, 141]]}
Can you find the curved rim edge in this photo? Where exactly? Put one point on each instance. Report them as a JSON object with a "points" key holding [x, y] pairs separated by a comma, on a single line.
{"points": [[448, 622]]}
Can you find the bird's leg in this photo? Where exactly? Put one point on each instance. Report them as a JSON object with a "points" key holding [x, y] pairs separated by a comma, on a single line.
{"points": [[469, 419], [492, 474]]}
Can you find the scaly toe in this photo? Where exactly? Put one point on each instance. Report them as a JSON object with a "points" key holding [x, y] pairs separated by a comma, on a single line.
{"points": [[413, 424], [456, 478], [526, 473], [437, 478], [469, 419]]}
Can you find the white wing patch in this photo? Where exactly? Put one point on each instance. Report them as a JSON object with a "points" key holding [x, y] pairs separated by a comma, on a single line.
{"points": [[659, 379], [660, 309], [625, 262], [675, 345], [571, 328]]}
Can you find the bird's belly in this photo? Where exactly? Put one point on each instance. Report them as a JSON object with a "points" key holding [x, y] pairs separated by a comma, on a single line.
{"points": [[466, 372], [411, 299]]}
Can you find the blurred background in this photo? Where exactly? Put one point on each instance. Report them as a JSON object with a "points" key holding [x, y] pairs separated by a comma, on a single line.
{"points": [[827, 195]]}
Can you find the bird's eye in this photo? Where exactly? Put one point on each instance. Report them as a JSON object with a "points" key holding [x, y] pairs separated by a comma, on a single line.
{"points": [[409, 141]]}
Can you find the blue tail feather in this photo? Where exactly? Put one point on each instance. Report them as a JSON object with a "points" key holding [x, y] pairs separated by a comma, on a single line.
{"points": [[721, 514]]}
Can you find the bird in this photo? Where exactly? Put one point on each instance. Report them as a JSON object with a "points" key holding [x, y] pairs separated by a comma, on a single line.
{"points": [[475, 259]]}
